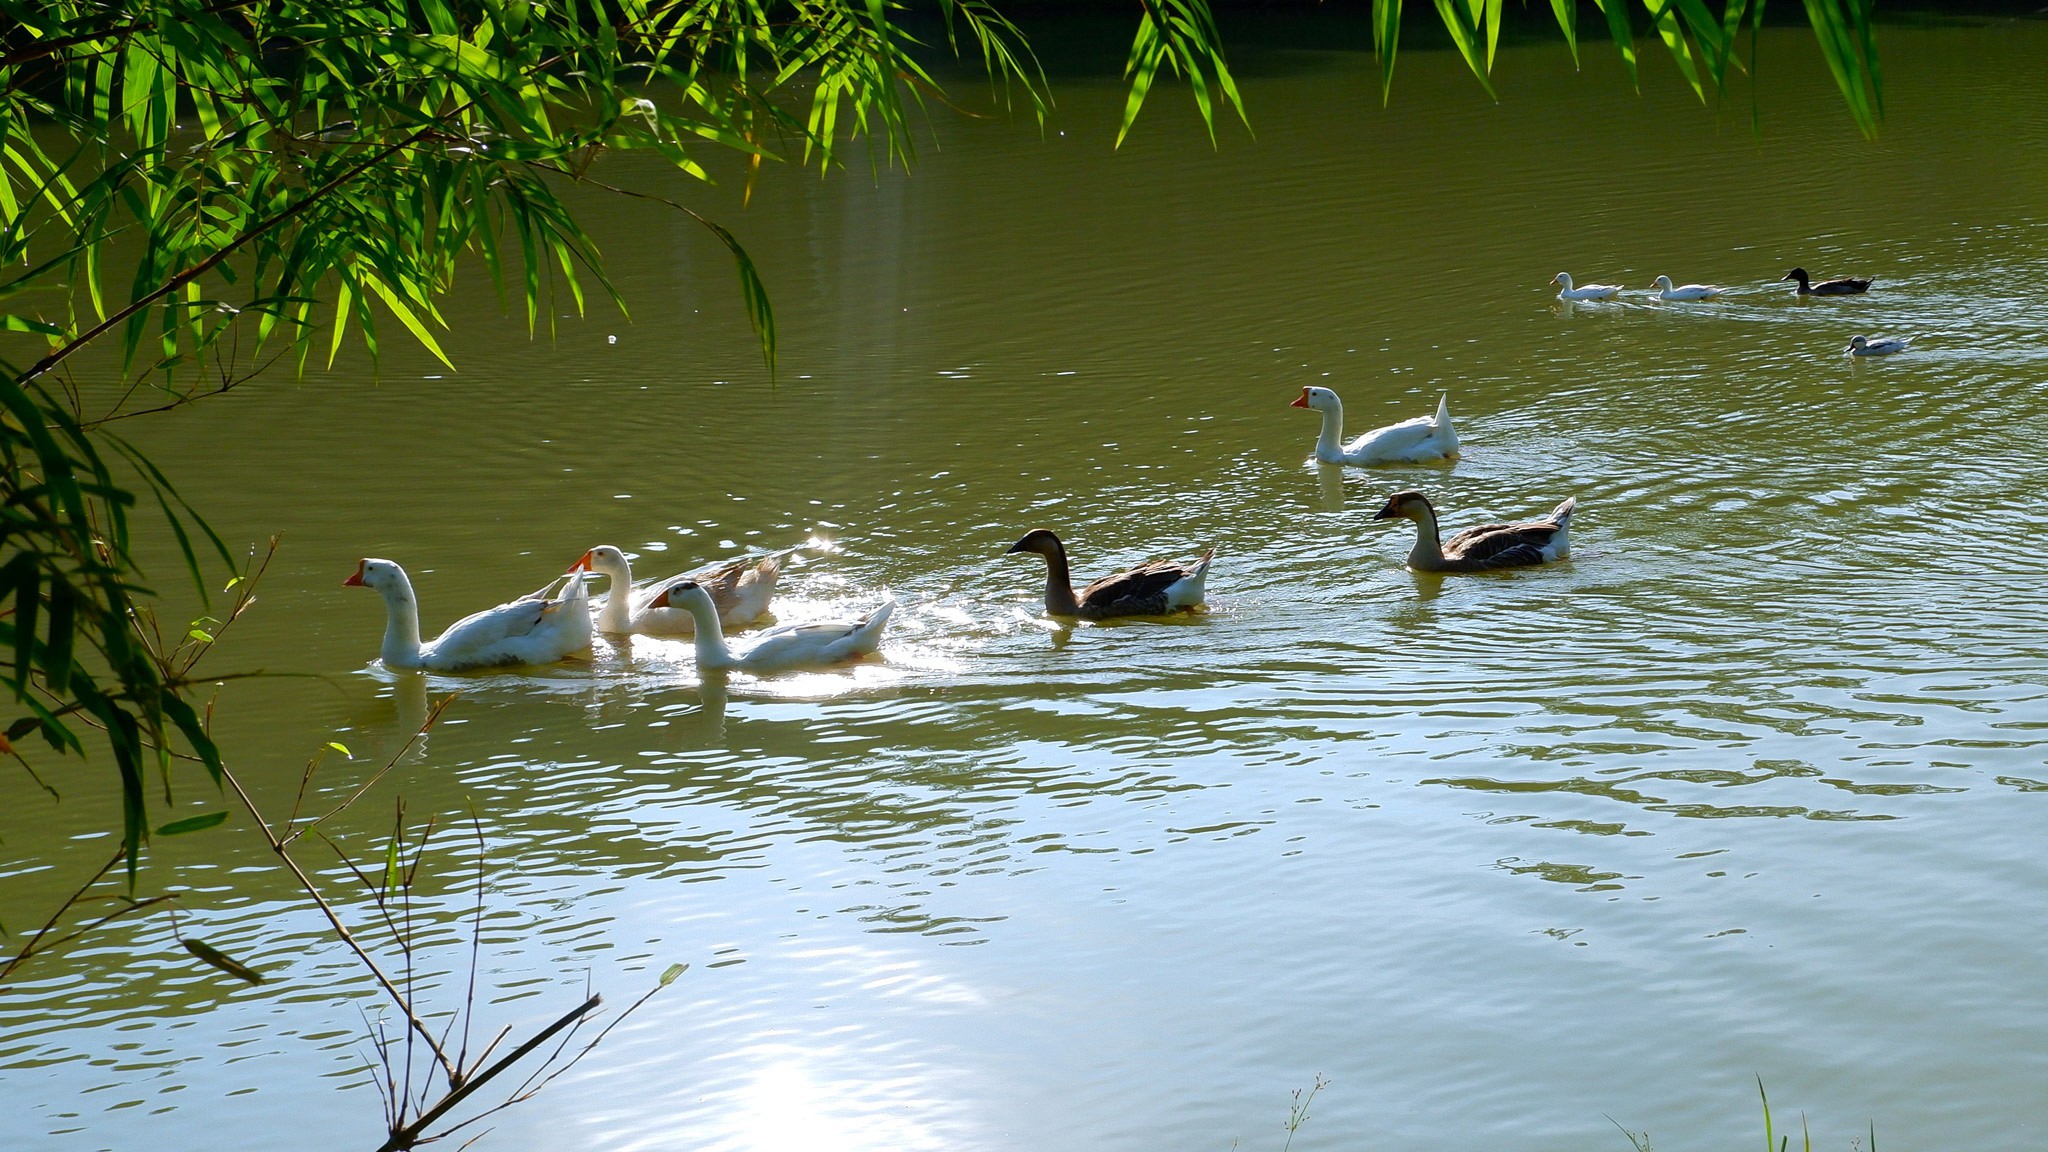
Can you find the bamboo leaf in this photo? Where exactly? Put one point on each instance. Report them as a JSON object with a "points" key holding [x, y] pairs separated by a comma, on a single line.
{"points": [[1624, 36], [1567, 13], [192, 824], [1386, 36], [1674, 40], [222, 961], [1458, 22]]}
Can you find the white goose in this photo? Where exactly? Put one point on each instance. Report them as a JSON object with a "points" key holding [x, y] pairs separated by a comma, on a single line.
{"points": [[739, 591], [1667, 291], [1410, 441], [780, 649], [530, 630], [1563, 280]]}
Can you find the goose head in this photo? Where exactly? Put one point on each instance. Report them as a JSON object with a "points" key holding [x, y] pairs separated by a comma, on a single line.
{"points": [[1798, 274], [1408, 505], [1857, 344], [380, 576], [1562, 280], [681, 594], [1664, 283], [1039, 540], [603, 558], [1320, 399]]}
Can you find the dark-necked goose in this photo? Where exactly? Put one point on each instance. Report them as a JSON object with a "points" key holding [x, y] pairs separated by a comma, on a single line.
{"points": [[1154, 588], [1485, 547]]}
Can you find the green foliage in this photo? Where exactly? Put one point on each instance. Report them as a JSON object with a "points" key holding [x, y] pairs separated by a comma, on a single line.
{"points": [[1696, 38], [201, 187]]}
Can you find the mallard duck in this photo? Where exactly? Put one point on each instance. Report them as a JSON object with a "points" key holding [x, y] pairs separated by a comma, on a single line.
{"points": [[530, 630], [739, 590], [1846, 286], [1154, 588], [1665, 290], [1584, 292], [1484, 547], [1422, 438], [1876, 346], [779, 649]]}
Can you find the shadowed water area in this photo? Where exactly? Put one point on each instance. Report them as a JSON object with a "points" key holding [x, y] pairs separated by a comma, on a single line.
{"points": [[1751, 786]]}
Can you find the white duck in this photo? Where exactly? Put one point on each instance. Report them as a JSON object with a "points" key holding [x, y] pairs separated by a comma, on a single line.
{"points": [[530, 630], [739, 591], [780, 649], [1410, 441], [1666, 290], [1563, 280], [1876, 346]]}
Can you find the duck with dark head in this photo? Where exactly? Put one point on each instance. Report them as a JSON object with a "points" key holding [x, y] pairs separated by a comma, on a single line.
{"points": [[1846, 286]]}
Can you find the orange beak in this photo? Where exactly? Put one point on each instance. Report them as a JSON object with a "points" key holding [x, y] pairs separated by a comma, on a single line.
{"points": [[355, 581], [1300, 401], [583, 565], [660, 600]]}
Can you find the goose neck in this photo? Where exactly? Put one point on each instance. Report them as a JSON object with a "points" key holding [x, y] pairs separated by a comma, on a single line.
{"points": [[1428, 551], [712, 653], [1059, 584], [1331, 441], [401, 625], [617, 615]]}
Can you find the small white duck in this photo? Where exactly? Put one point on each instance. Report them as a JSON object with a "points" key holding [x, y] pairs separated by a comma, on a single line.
{"points": [[533, 629], [1410, 441], [1563, 280], [780, 649], [1876, 346], [739, 590], [1666, 291]]}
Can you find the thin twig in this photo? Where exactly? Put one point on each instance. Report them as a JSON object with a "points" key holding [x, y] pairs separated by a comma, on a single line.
{"points": [[341, 930], [433, 714], [407, 1136], [30, 948]]}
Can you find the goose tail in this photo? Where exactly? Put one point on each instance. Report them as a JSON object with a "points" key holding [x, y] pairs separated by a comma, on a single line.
{"points": [[869, 635], [1562, 515], [1445, 431]]}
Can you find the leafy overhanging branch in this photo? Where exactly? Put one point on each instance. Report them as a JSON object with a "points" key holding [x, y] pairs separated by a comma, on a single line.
{"points": [[1701, 43]]}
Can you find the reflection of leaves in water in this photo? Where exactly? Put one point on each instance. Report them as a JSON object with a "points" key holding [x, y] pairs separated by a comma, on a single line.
{"points": [[1594, 828], [1784, 811], [1889, 789], [1584, 877], [2023, 784], [912, 918], [1577, 785]]}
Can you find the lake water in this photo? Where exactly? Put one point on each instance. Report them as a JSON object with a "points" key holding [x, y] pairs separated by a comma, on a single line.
{"points": [[1753, 786]]}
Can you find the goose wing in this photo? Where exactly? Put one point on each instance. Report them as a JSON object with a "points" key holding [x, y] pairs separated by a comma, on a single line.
{"points": [[1501, 545], [1395, 440], [531, 629], [1141, 590]]}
